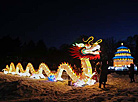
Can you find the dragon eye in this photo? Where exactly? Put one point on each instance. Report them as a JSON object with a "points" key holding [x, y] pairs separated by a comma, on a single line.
{"points": [[88, 46]]}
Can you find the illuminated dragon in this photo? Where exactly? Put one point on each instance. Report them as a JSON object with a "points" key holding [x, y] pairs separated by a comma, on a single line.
{"points": [[84, 51]]}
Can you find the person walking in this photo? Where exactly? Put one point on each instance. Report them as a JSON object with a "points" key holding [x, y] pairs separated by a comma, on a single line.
{"points": [[103, 74], [131, 73]]}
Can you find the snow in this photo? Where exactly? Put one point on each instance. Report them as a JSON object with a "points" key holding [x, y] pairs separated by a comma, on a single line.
{"points": [[15, 88]]}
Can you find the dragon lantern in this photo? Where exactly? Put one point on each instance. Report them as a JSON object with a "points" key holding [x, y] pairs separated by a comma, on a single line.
{"points": [[84, 51]]}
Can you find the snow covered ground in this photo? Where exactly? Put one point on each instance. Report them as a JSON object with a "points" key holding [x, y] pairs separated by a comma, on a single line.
{"points": [[22, 89]]}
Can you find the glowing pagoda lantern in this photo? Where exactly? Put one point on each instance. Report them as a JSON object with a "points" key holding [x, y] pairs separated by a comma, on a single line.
{"points": [[122, 57]]}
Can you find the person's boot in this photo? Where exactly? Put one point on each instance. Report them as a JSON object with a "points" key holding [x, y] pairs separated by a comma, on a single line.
{"points": [[131, 81], [99, 85], [104, 84]]}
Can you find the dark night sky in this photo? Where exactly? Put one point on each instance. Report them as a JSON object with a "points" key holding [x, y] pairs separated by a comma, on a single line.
{"points": [[62, 21]]}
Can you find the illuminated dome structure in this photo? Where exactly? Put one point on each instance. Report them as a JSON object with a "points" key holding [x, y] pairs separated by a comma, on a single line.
{"points": [[122, 57]]}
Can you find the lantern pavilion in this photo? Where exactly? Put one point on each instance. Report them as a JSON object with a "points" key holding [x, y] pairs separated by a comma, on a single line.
{"points": [[122, 57]]}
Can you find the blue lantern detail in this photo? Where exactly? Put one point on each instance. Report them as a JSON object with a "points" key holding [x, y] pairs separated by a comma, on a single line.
{"points": [[123, 52], [122, 47], [52, 78]]}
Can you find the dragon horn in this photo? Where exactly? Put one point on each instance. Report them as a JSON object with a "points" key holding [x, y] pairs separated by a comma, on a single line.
{"points": [[98, 41], [91, 37]]}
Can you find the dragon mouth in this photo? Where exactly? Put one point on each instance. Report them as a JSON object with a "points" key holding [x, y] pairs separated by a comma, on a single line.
{"points": [[93, 51]]}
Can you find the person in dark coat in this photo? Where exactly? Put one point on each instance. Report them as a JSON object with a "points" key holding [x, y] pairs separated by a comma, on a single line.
{"points": [[137, 69], [97, 67], [131, 73], [103, 74]]}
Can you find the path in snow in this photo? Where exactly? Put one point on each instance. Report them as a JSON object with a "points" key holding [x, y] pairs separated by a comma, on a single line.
{"points": [[17, 89]]}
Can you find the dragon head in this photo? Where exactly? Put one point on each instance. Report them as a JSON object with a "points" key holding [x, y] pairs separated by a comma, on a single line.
{"points": [[87, 49]]}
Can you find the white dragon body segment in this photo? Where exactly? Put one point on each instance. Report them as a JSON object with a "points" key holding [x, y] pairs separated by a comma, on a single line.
{"points": [[84, 52], [31, 72]]}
